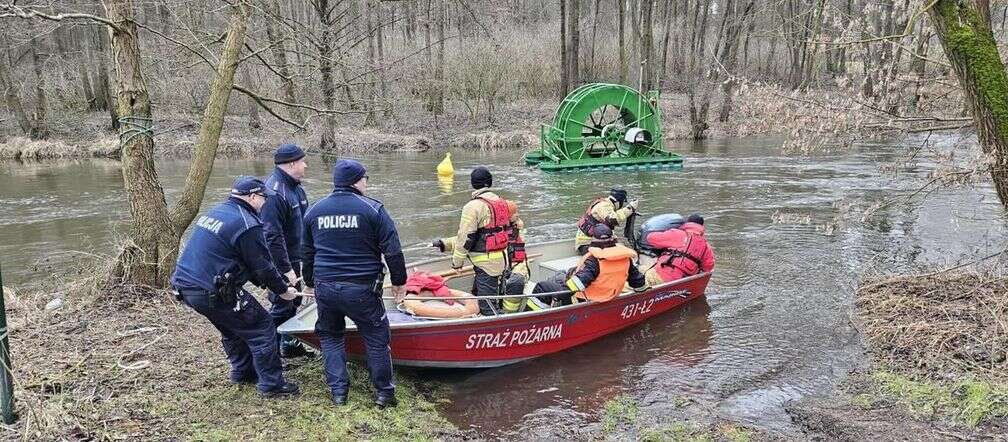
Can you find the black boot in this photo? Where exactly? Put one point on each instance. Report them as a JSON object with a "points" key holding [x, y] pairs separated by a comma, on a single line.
{"points": [[386, 401], [287, 389], [339, 399]]}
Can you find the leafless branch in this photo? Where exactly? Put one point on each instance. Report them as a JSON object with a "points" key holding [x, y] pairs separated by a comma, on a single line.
{"points": [[12, 10]]}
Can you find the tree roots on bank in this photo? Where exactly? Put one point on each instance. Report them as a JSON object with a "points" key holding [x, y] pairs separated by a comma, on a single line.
{"points": [[940, 325]]}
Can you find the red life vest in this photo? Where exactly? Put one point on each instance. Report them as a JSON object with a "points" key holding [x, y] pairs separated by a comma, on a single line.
{"points": [[679, 253], [517, 247], [420, 281], [497, 235], [588, 221]]}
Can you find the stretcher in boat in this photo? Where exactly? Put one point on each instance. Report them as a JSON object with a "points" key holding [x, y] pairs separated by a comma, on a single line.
{"points": [[491, 341]]}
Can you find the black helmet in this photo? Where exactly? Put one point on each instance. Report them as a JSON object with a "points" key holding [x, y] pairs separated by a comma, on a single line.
{"points": [[619, 195], [602, 236]]}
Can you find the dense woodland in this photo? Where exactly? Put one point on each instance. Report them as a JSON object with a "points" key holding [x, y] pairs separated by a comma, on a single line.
{"points": [[316, 64]]}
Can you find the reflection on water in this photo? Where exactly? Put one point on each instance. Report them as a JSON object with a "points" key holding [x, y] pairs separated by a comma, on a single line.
{"points": [[777, 323], [582, 379]]}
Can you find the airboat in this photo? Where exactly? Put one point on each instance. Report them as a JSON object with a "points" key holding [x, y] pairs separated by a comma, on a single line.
{"points": [[602, 126]]}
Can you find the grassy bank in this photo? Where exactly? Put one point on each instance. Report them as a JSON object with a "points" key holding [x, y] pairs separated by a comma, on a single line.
{"points": [[937, 370], [133, 364], [621, 419]]}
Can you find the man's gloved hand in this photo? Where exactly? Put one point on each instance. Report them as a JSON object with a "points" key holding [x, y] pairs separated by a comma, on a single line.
{"points": [[439, 244], [633, 205], [290, 294], [292, 278], [399, 291]]}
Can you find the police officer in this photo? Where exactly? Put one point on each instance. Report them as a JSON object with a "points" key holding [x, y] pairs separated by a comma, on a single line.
{"points": [[346, 235], [283, 218], [227, 249]]}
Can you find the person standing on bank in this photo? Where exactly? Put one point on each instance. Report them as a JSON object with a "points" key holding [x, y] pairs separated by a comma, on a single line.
{"points": [[283, 218], [227, 249], [346, 235]]}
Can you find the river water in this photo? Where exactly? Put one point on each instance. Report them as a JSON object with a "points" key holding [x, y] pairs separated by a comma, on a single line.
{"points": [[774, 326]]}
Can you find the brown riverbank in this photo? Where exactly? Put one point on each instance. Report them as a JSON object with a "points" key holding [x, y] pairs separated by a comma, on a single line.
{"points": [[937, 343], [515, 125]]}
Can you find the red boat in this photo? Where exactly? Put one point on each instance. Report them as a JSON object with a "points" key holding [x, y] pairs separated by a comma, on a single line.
{"points": [[492, 341]]}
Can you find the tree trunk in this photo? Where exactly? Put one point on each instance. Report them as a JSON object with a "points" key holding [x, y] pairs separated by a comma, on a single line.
{"points": [[965, 33], [575, 43], [380, 47], [87, 92], [698, 115], [564, 56], [149, 258], [254, 122], [139, 260], [439, 94], [208, 139], [279, 52], [667, 18], [621, 7], [39, 121], [327, 141], [591, 63], [102, 86], [370, 118], [429, 56], [647, 43], [11, 97]]}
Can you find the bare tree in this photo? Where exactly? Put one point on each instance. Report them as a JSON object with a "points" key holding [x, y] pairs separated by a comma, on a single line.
{"points": [[279, 52], [565, 83], [149, 259], [39, 121]]}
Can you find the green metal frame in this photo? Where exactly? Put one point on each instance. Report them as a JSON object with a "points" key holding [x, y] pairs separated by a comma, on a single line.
{"points": [[565, 145]]}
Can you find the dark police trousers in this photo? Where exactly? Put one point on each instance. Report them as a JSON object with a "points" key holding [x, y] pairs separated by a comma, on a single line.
{"points": [[247, 336], [282, 310], [335, 302]]}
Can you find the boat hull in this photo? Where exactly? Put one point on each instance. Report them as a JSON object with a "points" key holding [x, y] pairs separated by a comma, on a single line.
{"points": [[507, 339]]}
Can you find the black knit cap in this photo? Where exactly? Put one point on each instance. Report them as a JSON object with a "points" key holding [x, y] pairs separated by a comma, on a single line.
{"points": [[288, 153], [480, 178], [695, 218]]}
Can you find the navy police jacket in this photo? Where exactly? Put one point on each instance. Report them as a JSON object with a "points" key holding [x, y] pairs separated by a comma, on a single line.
{"points": [[227, 239], [283, 216], [346, 234]]}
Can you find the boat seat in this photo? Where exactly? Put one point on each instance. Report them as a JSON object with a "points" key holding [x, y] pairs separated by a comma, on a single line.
{"points": [[560, 265]]}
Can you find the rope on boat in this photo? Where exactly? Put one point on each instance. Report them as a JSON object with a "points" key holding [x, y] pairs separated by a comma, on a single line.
{"points": [[523, 295]]}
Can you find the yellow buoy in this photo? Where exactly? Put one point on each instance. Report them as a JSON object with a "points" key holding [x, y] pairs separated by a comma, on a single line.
{"points": [[445, 168], [446, 184]]}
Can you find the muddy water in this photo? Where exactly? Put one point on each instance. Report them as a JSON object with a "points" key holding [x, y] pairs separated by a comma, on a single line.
{"points": [[774, 326]]}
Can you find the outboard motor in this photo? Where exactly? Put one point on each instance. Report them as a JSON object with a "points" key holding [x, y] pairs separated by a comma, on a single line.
{"points": [[657, 223]]}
